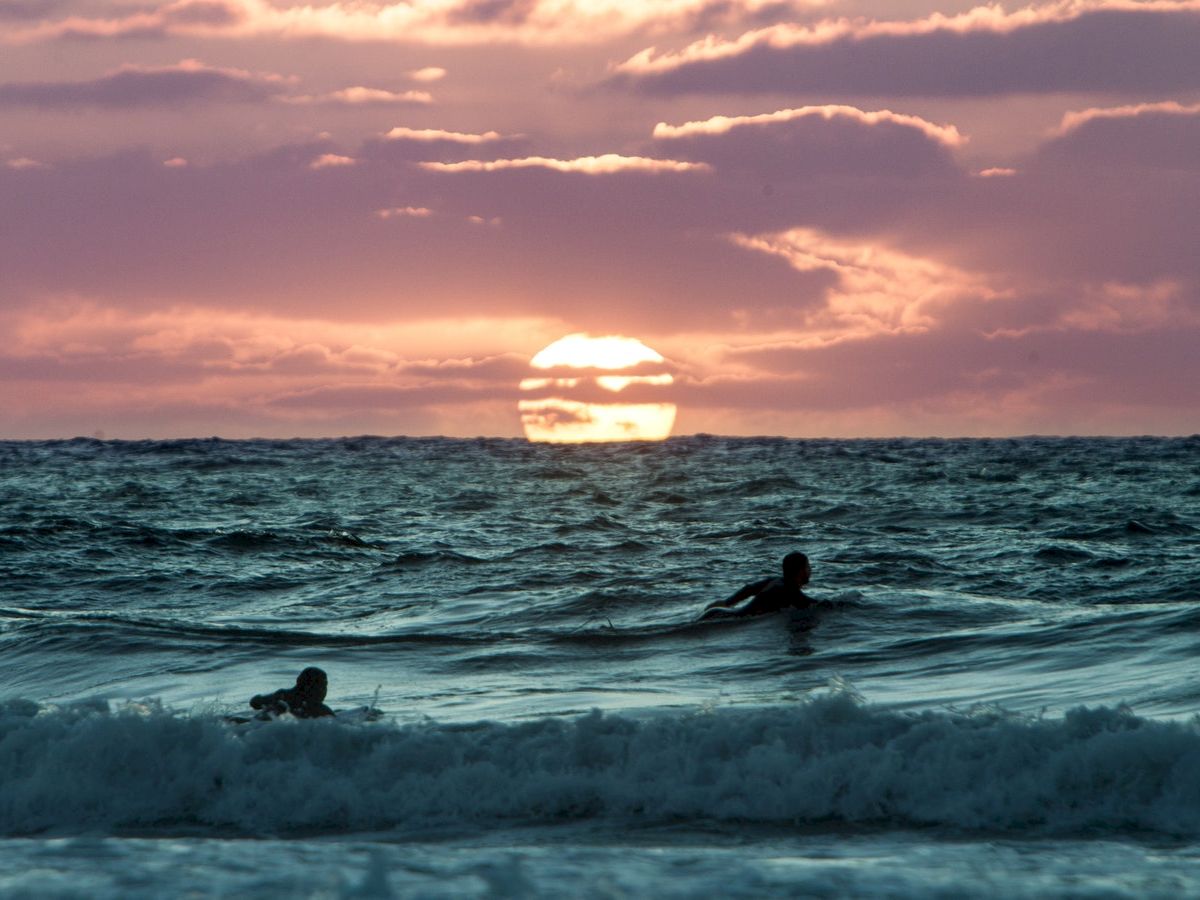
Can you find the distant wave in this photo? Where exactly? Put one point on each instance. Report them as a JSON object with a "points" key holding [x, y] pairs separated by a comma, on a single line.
{"points": [[829, 759], [121, 630]]}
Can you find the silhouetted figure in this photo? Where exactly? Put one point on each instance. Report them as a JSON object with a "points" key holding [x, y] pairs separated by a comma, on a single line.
{"points": [[769, 595], [304, 701]]}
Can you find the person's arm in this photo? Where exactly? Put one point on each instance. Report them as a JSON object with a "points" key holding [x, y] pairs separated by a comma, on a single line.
{"points": [[274, 702], [748, 591]]}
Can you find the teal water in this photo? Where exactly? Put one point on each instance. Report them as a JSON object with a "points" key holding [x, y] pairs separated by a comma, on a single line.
{"points": [[1001, 667]]}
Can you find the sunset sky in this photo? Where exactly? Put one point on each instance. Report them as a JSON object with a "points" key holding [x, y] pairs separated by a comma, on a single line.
{"points": [[831, 217]]}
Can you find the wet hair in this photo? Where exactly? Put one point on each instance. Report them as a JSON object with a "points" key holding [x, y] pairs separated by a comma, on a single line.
{"points": [[312, 683], [793, 563]]}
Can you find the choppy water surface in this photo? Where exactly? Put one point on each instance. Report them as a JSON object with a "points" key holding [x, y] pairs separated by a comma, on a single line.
{"points": [[1005, 665]]}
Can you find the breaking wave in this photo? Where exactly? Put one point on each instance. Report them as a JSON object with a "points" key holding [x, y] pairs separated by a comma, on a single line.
{"points": [[828, 759]]}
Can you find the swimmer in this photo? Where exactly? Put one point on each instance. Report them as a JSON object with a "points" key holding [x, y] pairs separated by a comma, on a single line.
{"points": [[304, 701], [769, 595]]}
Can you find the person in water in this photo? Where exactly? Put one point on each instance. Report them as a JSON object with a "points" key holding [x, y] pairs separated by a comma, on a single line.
{"points": [[304, 701], [769, 595]]}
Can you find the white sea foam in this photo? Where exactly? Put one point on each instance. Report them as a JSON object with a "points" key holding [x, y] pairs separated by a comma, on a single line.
{"points": [[828, 759]]}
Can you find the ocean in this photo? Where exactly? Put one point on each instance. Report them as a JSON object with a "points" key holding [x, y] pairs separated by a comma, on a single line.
{"points": [[997, 695]]}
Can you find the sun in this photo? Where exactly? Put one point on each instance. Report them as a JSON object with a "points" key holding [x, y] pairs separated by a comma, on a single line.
{"points": [[591, 389]]}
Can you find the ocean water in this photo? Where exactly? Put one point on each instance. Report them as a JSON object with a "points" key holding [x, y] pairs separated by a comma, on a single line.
{"points": [[998, 696]]}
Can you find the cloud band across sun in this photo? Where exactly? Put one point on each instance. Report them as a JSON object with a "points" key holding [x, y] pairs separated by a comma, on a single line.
{"points": [[565, 398]]}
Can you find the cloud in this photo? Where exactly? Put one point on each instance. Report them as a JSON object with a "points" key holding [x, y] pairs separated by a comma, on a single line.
{"points": [[876, 289], [363, 96], [132, 86], [945, 134], [912, 301], [967, 383], [193, 17], [606, 164], [191, 82], [332, 161], [412, 212], [632, 244], [829, 139], [403, 145], [429, 73], [1094, 46], [446, 22], [1158, 135], [28, 10], [136, 374], [432, 135], [24, 162]]}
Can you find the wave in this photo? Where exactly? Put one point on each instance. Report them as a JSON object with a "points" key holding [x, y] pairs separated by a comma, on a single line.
{"points": [[1130, 529], [830, 760], [415, 559], [119, 633]]}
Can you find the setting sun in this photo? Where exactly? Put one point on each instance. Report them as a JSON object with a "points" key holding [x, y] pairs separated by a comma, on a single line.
{"points": [[575, 398]]}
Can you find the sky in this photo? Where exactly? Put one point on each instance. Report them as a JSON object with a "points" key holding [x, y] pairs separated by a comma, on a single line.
{"points": [[832, 218]]}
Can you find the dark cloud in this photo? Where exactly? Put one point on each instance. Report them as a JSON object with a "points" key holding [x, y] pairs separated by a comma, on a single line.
{"points": [[136, 87], [815, 141], [101, 368], [28, 10], [1157, 367], [1113, 50], [1157, 136], [716, 15], [442, 149], [211, 13], [492, 12], [504, 369], [375, 397]]}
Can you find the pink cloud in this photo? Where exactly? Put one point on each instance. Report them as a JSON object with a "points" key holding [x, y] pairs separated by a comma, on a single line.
{"points": [[843, 294], [363, 96], [606, 164], [876, 289], [1072, 121], [283, 376], [431, 135], [414, 212], [24, 162], [944, 134], [332, 161], [461, 22], [428, 73]]}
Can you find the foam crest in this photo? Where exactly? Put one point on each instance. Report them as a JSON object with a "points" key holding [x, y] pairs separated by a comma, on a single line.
{"points": [[828, 759]]}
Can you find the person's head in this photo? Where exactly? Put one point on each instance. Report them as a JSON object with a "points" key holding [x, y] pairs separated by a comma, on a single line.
{"points": [[796, 569], [312, 684]]}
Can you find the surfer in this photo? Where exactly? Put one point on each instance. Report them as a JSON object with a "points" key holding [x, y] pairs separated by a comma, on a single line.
{"points": [[769, 595], [304, 701]]}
